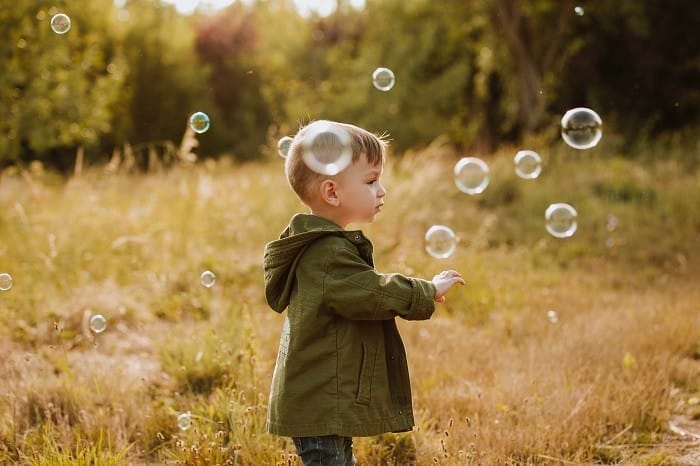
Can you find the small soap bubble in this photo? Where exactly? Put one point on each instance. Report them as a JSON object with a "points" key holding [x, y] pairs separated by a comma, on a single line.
{"points": [[199, 122], [471, 175], [326, 147], [5, 281], [561, 220], [440, 241], [60, 23], [283, 146], [581, 128], [184, 421], [98, 323], [528, 164], [552, 316], [208, 279], [579, 11], [383, 79]]}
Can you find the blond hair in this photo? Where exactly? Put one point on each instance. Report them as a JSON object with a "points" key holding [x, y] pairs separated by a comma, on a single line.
{"points": [[303, 179]]}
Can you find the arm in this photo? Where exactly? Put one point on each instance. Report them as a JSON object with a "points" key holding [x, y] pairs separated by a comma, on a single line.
{"points": [[355, 290]]}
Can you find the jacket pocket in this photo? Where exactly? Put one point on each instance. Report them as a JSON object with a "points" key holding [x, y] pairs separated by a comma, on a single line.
{"points": [[364, 382]]}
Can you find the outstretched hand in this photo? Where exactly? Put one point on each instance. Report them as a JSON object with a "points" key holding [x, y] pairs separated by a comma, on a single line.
{"points": [[444, 281]]}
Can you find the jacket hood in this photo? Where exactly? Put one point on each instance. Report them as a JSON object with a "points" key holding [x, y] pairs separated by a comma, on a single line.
{"points": [[282, 255]]}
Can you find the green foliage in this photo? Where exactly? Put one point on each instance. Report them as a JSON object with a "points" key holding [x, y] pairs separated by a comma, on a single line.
{"points": [[166, 81], [652, 39], [227, 43], [56, 91], [132, 247], [387, 449], [209, 358], [48, 451], [479, 73]]}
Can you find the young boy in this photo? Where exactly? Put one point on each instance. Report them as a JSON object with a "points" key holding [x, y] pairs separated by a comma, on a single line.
{"points": [[341, 369]]}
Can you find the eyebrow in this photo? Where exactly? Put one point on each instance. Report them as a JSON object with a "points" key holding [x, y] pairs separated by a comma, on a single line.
{"points": [[373, 172]]}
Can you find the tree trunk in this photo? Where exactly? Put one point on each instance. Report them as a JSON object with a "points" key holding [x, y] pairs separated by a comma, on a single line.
{"points": [[530, 64]]}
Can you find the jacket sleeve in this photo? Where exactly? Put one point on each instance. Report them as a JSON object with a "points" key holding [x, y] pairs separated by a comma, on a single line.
{"points": [[355, 290]]}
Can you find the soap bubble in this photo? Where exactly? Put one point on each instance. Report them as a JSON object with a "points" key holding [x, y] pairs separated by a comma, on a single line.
{"points": [[383, 79], [528, 164], [208, 279], [579, 11], [561, 220], [199, 122], [184, 421], [326, 147], [5, 281], [552, 316], [98, 323], [581, 128], [440, 241], [60, 23], [471, 175], [283, 145]]}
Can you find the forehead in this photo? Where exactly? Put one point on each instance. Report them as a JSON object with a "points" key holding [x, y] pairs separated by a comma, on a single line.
{"points": [[366, 167], [361, 169]]}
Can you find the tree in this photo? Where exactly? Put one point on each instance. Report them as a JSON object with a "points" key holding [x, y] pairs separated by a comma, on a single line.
{"points": [[639, 63], [165, 82], [535, 36], [227, 43], [56, 90]]}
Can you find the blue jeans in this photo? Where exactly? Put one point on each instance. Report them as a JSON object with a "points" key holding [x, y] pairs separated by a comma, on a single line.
{"points": [[328, 450]]}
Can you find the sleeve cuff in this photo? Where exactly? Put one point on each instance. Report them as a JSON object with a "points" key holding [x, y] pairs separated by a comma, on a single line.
{"points": [[422, 300]]}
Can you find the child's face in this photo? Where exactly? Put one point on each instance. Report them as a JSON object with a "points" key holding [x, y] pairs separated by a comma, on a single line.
{"points": [[359, 191]]}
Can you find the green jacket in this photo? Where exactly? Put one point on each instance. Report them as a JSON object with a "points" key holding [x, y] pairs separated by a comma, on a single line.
{"points": [[341, 367]]}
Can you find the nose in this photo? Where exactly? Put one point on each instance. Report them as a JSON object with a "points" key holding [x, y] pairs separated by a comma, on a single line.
{"points": [[381, 192]]}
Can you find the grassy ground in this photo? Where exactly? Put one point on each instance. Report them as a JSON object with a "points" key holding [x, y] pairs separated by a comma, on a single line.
{"points": [[495, 379]]}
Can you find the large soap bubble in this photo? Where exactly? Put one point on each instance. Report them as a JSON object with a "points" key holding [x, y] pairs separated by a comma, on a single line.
{"points": [[560, 220], [326, 147], [184, 421], [98, 323], [60, 23], [528, 164], [581, 128], [383, 79], [207, 279], [5, 281], [440, 241], [283, 145], [199, 122], [471, 175]]}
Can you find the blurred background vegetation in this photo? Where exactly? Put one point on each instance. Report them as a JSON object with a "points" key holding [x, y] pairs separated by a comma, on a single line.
{"points": [[479, 73], [496, 381]]}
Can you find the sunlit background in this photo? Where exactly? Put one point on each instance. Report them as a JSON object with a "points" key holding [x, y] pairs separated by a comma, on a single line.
{"points": [[548, 150], [305, 7]]}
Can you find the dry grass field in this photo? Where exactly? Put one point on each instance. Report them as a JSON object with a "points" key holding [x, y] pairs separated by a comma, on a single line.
{"points": [[611, 376]]}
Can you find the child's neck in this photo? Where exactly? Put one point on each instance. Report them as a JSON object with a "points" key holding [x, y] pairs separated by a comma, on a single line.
{"points": [[329, 214]]}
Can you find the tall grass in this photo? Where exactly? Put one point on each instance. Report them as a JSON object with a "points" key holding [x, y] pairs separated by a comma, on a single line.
{"points": [[495, 380]]}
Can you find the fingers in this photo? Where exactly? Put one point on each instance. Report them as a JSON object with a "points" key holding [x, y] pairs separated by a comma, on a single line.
{"points": [[455, 276], [444, 281]]}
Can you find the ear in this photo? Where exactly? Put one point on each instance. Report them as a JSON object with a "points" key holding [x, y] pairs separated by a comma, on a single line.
{"points": [[328, 192]]}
